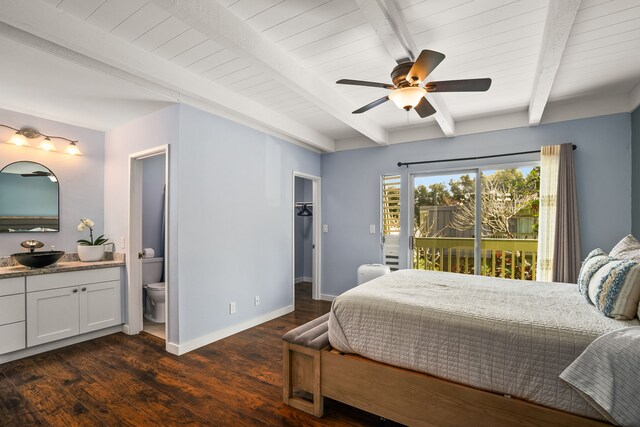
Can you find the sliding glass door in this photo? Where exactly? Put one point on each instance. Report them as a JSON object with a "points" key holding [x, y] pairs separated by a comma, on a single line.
{"points": [[480, 221], [437, 201], [509, 212]]}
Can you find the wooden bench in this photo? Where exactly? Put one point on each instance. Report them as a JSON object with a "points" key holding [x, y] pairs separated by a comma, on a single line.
{"points": [[303, 364]]}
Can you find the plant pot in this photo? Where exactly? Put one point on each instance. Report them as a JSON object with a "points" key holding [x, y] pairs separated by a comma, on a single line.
{"points": [[90, 253]]}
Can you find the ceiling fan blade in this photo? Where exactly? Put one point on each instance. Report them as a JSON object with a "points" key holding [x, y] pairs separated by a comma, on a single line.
{"points": [[468, 85], [365, 83], [426, 62], [424, 108], [370, 105]]}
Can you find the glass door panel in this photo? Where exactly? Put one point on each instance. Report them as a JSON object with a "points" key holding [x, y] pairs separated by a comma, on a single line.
{"points": [[509, 212], [444, 223]]}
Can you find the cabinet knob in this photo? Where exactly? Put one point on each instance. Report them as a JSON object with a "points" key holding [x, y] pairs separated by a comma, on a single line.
{"points": [[84, 289], [74, 291]]}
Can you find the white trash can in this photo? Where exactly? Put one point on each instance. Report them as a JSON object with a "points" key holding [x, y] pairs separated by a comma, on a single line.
{"points": [[368, 272]]}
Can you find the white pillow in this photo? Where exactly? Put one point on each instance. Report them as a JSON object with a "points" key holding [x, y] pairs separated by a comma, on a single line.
{"points": [[627, 248]]}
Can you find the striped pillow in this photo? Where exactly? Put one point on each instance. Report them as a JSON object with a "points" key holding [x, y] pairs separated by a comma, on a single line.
{"points": [[614, 288], [627, 248], [591, 264]]}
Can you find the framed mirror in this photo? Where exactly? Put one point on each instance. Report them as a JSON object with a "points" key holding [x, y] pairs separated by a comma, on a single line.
{"points": [[29, 199]]}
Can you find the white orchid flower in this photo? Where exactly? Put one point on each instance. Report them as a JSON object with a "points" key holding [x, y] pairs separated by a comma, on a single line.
{"points": [[81, 227], [88, 222]]}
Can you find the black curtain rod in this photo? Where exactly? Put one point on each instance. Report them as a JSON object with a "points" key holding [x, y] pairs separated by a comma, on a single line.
{"points": [[407, 164]]}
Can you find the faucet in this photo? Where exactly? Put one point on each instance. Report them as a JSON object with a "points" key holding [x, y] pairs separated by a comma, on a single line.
{"points": [[32, 245]]}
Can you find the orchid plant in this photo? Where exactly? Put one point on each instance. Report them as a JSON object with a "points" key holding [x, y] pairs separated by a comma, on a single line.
{"points": [[87, 223]]}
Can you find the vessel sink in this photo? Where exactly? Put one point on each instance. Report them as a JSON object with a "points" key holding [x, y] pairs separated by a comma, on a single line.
{"points": [[38, 259]]}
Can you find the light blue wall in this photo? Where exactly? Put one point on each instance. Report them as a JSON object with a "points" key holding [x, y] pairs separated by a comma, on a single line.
{"points": [[635, 132], [304, 230], [81, 179], [351, 185], [235, 221], [154, 130], [153, 174]]}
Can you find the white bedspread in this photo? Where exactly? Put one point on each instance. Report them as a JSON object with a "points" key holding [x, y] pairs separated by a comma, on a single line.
{"points": [[507, 336]]}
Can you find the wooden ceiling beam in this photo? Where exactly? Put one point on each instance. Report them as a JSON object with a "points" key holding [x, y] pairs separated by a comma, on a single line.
{"points": [[385, 18], [41, 26], [216, 22], [560, 17]]}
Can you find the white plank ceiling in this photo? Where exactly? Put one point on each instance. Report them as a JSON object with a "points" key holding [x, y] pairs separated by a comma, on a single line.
{"points": [[332, 39]]}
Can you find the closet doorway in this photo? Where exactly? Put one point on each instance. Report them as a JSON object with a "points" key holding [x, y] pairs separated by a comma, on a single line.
{"points": [[306, 236]]}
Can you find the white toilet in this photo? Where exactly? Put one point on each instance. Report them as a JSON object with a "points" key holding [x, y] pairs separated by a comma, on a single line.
{"points": [[151, 276]]}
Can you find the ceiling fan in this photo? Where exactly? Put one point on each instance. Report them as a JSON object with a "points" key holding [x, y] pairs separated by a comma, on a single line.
{"points": [[409, 87]]}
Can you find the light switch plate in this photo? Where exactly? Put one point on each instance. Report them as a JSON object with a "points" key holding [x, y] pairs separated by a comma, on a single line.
{"points": [[372, 229], [325, 228]]}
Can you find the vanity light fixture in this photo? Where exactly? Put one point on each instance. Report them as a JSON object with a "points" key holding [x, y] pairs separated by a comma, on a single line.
{"points": [[47, 145], [21, 137], [73, 149]]}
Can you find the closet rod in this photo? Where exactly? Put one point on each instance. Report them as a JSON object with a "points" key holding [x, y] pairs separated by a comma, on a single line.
{"points": [[407, 164]]}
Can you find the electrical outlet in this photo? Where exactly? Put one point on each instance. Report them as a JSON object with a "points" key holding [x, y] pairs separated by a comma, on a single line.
{"points": [[232, 307], [325, 228], [372, 229], [257, 300]]}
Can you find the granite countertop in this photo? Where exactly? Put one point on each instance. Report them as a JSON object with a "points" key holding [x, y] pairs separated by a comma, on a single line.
{"points": [[69, 262]]}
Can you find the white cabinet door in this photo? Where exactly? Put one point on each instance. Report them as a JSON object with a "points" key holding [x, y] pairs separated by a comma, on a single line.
{"points": [[100, 306], [52, 315]]}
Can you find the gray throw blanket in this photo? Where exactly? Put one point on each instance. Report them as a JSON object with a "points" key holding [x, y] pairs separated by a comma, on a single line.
{"points": [[607, 375]]}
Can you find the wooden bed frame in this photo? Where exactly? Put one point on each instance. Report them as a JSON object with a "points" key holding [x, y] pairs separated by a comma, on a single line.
{"points": [[404, 396]]}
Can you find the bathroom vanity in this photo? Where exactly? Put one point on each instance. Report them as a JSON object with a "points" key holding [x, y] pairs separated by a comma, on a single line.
{"points": [[41, 309]]}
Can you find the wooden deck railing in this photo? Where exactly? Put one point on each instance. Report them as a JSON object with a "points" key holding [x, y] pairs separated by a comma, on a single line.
{"points": [[506, 258]]}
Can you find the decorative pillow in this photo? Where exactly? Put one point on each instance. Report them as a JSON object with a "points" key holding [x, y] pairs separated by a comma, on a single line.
{"points": [[627, 248], [591, 264], [615, 288]]}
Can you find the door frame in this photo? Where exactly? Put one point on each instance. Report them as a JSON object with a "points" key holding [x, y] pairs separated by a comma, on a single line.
{"points": [[316, 259], [135, 312]]}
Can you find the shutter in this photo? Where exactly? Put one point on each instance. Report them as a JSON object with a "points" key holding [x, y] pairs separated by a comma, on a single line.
{"points": [[391, 220]]}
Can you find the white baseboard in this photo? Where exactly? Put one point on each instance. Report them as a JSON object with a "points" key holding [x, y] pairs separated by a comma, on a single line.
{"points": [[172, 348], [58, 344], [180, 349], [327, 297], [304, 279]]}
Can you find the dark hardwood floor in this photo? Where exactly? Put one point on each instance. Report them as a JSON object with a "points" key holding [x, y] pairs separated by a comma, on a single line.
{"points": [[131, 380]]}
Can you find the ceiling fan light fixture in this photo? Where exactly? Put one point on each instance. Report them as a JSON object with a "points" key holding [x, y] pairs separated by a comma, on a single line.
{"points": [[407, 97]]}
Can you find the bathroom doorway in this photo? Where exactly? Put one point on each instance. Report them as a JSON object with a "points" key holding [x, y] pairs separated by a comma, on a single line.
{"points": [[148, 256], [306, 237], [153, 237]]}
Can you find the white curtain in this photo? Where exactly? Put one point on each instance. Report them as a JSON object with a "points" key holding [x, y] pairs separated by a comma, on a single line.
{"points": [[549, 172]]}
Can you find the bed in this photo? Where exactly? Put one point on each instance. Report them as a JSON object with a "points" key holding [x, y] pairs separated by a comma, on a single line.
{"points": [[477, 339]]}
